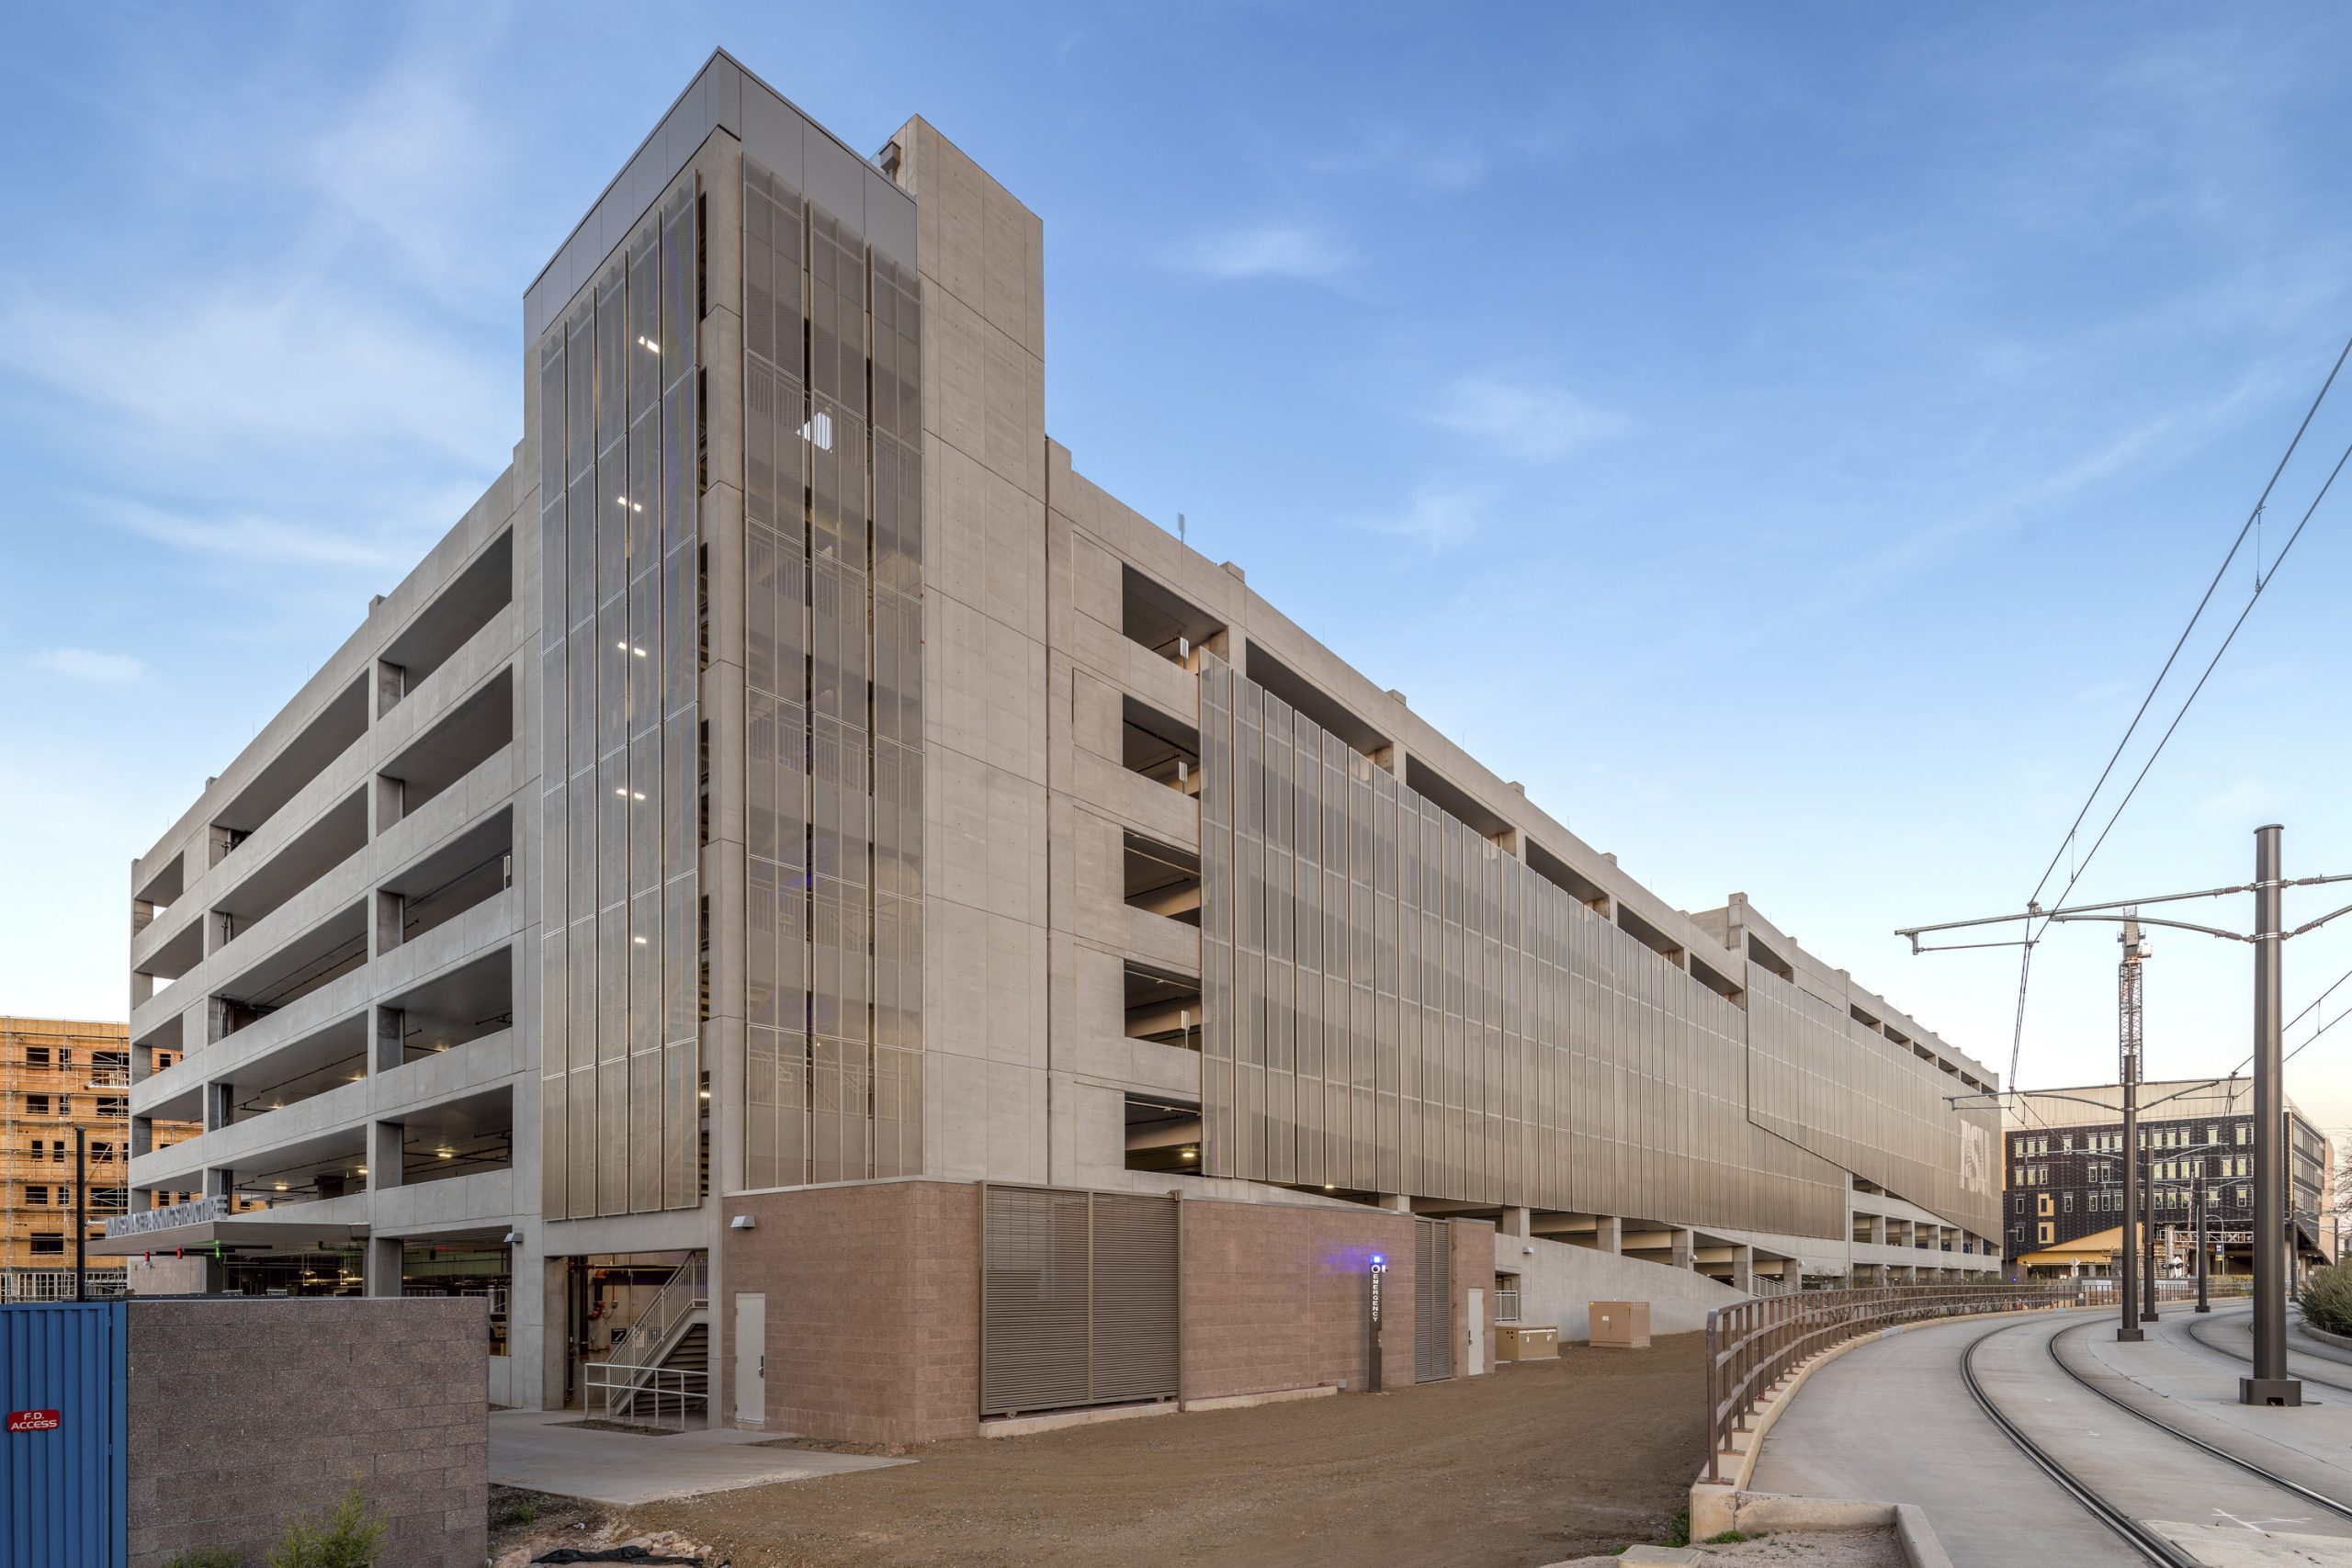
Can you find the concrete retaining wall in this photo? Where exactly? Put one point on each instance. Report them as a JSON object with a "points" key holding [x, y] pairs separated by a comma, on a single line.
{"points": [[246, 1412], [1559, 1280]]}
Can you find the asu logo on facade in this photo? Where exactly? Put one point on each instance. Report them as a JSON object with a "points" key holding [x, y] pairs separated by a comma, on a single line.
{"points": [[1975, 1157]]}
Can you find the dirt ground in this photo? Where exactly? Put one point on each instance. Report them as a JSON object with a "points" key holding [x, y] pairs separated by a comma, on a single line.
{"points": [[1533, 1464]]}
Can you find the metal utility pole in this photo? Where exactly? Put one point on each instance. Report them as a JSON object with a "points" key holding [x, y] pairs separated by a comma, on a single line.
{"points": [[2270, 1384], [2197, 1196], [81, 1215], [2128, 1046]]}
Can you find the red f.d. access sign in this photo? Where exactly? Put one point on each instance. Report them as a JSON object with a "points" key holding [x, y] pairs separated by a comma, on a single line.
{"points": [[32, 1421]]}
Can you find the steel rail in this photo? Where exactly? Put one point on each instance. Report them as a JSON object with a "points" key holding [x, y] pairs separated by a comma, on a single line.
{"points": [[2142, 1539], [2275, 1479], [2235, 1359]]}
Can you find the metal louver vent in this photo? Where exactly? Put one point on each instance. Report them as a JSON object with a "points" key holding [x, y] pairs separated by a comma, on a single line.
{"points": [[1079, 1299], [1432, 1300]]}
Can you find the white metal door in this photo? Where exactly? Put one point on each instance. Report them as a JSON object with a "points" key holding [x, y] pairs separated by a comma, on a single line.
{"points": [[1477, 1332], [751, 1359]]}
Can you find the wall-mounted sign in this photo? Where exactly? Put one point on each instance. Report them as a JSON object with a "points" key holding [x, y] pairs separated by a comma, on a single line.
{"points": [[32, 1421], [196, 1211]]}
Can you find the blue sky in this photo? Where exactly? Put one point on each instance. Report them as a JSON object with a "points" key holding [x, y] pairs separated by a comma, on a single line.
{"points": [[1786, 438]]}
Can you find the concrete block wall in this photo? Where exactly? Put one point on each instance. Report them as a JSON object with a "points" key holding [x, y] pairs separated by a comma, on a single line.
{"points": [[227, 1447], [873, 1308], [1275, 1295]]}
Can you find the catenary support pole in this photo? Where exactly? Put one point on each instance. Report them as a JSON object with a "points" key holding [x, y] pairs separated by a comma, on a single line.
{"points": [[2270, 1384], [2197, 1196], [2128, 1041]]}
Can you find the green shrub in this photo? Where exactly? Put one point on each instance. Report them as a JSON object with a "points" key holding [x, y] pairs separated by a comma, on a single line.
{"points": [[2327, 1299], [508, 1513], [348, 1537], [210, 1557]]}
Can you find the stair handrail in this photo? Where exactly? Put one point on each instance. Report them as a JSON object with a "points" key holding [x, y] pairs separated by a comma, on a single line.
{"points": [[686, 1288]]}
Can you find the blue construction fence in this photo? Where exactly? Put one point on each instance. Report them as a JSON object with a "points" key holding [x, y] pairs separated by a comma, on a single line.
{"points": [[64, 1473]]}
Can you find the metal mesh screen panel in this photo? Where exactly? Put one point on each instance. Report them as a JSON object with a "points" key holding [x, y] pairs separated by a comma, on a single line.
{"points": [[833, 662], [1079, 1298], [1432, 1300], [1393, 1003], [619, 678]]}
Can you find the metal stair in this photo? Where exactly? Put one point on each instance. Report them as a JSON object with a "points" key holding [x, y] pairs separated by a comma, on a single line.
{"points": [[661, 1370]]}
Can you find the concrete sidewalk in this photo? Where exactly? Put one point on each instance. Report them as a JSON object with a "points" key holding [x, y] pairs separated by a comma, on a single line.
{"points": [[544, 1451], [1893, 1422]]}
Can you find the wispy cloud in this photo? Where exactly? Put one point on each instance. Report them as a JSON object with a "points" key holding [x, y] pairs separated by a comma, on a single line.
{"points": [[1526, 419], [1300, 251], [245, 536], [417, 160], [86, 664], [1431, 161], [1435, 517], [259, 358]]}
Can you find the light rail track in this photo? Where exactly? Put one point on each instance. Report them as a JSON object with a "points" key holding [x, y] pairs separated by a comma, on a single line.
{"points": [[2304, 1494], [2135, 1535], [2235, 1358]]}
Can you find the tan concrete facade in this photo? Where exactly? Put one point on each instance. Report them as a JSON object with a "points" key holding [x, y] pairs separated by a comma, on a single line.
{"points": [[847, 808]]}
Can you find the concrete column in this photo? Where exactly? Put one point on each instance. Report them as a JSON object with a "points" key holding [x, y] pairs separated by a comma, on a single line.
{"points": [[1607, 1232], [1878, 1230], [220, 1104], [142, 1135], [555, 1327], [389, 912], [391, 801], [392, 685], [1231, 644], [219, 1181], [1513, 1222], [391, 1025], [1743, 1269], [382, 1264], [1685, 1249], [384, 1163]]}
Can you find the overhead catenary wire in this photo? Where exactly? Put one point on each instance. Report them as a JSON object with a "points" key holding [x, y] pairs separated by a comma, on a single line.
{"points": [[2262, 579]]}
